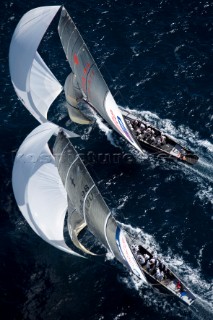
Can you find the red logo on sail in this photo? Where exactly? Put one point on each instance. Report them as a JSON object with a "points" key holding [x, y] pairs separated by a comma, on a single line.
{"points": [[75, 58]]}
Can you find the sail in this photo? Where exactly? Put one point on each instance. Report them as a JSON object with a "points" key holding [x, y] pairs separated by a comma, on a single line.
{"points": [[89, 78], [33, 81], [88, 208], [84, 195], [77, 116], [38, 189], [128, 255], [75, 225]]}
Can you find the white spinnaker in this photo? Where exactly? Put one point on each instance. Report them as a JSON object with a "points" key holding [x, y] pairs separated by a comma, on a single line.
{"points": [[38, 189], [33, 81]]}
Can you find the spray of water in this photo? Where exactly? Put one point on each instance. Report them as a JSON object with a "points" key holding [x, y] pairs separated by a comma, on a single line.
{"points": [[202, 308]]}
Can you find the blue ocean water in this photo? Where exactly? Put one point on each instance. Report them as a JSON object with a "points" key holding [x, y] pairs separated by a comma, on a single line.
{"points": [[156, 57]]}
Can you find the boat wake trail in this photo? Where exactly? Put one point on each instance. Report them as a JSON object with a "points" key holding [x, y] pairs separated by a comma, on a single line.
{"points": [[202, 308], [202, 169], [203, 148], [104, 128]]}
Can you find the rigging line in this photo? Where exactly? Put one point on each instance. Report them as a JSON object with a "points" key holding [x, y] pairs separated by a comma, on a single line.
{"points": [[69, 171], [62, 29], [69, 214], [105, 226], [68, 43], [84, 213], [131, 235], [111, 78], [122, 225], [62, 154]]}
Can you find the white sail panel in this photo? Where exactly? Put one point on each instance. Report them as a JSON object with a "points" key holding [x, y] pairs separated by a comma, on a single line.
{"points": [[127, 254], [38, 189], [34, 83], [44, 87], [117, 119]]}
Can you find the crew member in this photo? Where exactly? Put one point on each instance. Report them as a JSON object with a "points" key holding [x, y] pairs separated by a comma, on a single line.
{"points": [[141, 259], [142, 127], [152, 265], [140, 137], [147, 265], [158, 141], [146, 256], [163, 139], [152, 140], [159, 275]]}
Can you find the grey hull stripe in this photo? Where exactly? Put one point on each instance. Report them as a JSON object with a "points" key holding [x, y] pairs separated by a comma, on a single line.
{"points": [[62, 154], [85, 198], [105, 226], [69, 171]]}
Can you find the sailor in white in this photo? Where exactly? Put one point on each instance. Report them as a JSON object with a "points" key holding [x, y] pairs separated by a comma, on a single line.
{"points": [[134, 248], [146, 134], [152, 265], [158, 141], [141, 259], [140, 137], [152, 261], [163, 139], [142, 127], [146, 256], [159, 275], [138, 131], [147, 265], [153, 140], [135, 124], [157, 262]]}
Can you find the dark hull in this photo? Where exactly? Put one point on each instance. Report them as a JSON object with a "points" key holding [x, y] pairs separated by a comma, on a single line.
{"points": [[171, 149], [185, 296], [168, 285]]}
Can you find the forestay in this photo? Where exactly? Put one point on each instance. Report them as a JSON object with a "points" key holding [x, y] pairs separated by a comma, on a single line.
{"points": [[38, 189], [33, 81], [89, 78]]}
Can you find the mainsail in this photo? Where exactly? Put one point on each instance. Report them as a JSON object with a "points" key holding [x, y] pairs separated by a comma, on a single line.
{"points": [[83, 193], [33, 81], [90, 208], [89, 78]]}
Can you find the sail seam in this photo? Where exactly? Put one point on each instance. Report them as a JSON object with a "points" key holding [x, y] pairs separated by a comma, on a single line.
{"points": [[105, 226], [62, 29], [85, 201], [68, 43], [74, 48], [62, 154], [88, 75], [69, 171]]}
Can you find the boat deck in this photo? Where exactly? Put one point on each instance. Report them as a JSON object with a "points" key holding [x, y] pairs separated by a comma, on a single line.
{"points": [[167, 147]]}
